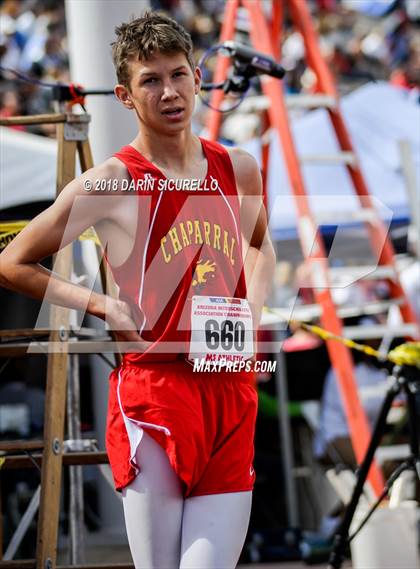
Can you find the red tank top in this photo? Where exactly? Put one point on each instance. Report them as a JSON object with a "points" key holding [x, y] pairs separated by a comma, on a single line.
{"points": [[187, 243]]}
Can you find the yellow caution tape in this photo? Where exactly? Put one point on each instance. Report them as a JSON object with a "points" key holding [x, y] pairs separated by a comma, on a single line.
{"points": [[90, 235], [6, 226], [9, 230], [405, 354]]}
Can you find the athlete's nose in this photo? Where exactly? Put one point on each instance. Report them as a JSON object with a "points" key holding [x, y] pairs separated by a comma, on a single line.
{"points": [[169, 92]]}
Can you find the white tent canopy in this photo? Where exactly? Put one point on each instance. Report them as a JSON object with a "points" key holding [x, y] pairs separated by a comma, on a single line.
{"points": [[378, 116], [27, 168]]}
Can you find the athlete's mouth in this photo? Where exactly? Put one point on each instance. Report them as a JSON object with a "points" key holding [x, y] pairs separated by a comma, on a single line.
{"points": [[173, 111]]}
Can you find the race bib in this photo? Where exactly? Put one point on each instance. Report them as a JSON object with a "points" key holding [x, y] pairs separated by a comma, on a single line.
{"points": [[221, 329]]}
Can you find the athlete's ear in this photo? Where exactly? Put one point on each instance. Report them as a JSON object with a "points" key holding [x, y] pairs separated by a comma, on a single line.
{"points": [[197, 80], [123, 94]]}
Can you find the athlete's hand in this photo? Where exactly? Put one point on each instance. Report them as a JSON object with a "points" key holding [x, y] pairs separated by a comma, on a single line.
{"points": [[123, 326]]}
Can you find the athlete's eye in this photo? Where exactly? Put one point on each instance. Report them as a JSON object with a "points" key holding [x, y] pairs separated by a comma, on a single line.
{"points": [[150, 80], [179, 73]]}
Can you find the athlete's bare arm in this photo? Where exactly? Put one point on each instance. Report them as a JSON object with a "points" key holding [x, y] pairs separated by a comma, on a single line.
{"points": [[258, 250], [73, 211]]}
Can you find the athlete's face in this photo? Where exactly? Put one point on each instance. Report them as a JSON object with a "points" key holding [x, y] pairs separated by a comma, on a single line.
{"points": [[162, 92]]}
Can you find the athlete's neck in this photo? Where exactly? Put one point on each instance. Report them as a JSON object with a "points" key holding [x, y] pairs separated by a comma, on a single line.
{"points": [[173, 153]]}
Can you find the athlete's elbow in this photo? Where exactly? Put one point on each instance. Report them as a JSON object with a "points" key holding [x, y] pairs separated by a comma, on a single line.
{"points": [[269, 253], [8, 271], [4, 271]]}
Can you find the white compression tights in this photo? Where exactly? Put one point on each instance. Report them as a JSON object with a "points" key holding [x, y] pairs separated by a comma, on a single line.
{"points": [[167, 532]]}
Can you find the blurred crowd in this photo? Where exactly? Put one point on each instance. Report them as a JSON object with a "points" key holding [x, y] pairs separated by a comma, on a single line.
{"points": [[362, 40], [33, 43]]}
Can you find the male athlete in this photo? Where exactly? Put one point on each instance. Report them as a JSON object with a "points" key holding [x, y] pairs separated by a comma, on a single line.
{"points": [[186, 239]]}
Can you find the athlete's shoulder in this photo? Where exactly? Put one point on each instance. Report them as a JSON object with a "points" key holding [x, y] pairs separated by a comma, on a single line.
{"points": [[110, 168], [246, 170], [107, 171], [242, 157]]}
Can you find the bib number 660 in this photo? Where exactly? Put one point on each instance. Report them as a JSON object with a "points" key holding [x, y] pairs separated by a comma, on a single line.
{"points": [[226, 334]]}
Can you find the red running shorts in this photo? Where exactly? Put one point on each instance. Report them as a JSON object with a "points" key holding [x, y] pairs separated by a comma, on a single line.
{"points": [[205, 422]]}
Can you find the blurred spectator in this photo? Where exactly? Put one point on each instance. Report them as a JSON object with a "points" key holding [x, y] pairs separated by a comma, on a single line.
{"points": [[10, 107], [9, 38], [332, 442], [53, 59]]}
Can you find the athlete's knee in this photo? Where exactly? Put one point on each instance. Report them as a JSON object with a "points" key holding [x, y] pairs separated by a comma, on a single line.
{"points": [[214, 529]]}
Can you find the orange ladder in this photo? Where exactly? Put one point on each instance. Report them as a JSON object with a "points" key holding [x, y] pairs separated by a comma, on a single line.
{"points": [[265, 37]]}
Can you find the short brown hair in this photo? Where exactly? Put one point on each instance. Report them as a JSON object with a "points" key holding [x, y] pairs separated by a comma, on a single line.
{"points": [[144, 37]]}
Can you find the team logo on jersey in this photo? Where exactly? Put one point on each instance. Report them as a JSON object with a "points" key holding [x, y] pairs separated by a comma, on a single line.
{"points": [[198, 232], [203, 271]]}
